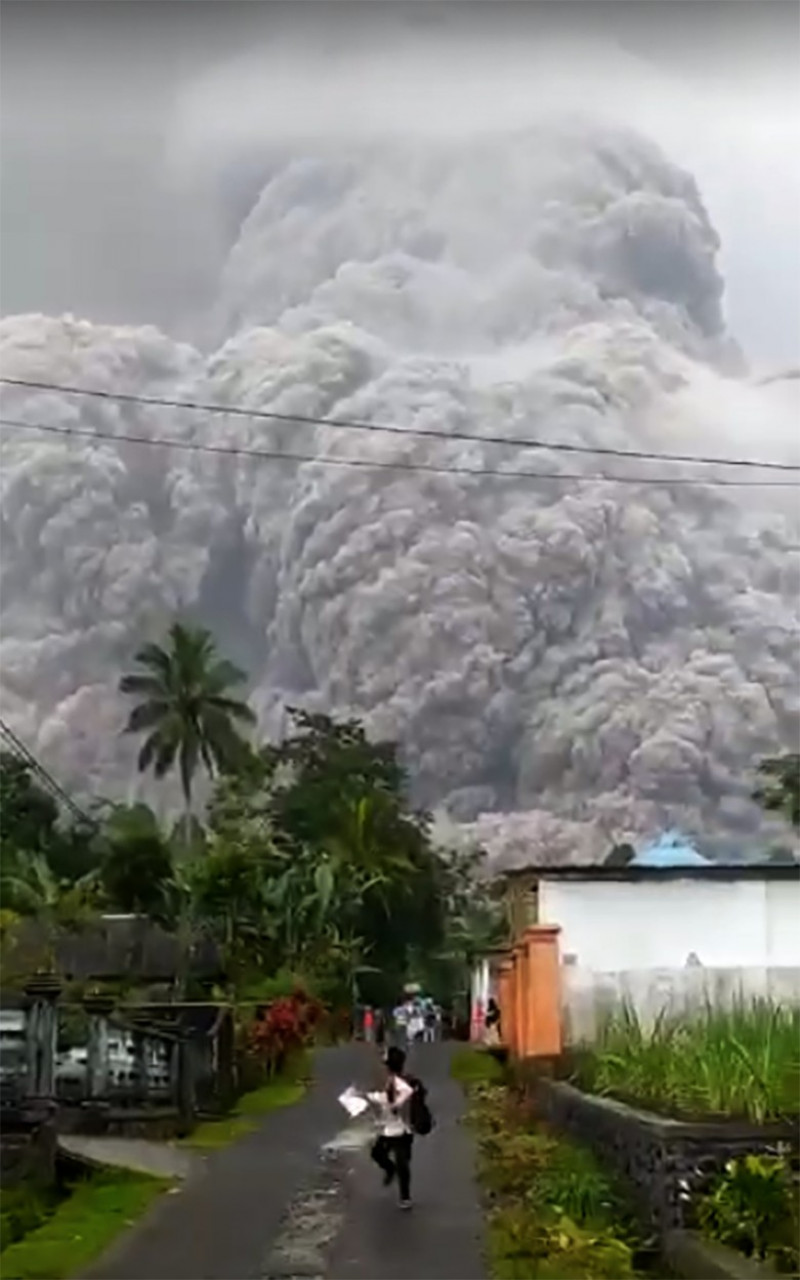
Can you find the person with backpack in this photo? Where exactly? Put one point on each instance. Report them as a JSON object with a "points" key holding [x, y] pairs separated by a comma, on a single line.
{"points": [[404, 1112]]}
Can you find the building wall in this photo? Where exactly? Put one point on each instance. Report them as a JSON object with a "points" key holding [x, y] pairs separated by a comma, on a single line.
{"points": [[588, 995], [673, 944], [522, 903], [783, 922], [645, 924]]}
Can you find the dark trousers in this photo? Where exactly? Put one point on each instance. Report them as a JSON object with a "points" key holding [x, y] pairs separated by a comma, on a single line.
{"points": [[393, 1156]]}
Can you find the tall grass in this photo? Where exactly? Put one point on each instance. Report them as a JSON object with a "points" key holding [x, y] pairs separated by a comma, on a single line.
{"points": [[740, 1061]]}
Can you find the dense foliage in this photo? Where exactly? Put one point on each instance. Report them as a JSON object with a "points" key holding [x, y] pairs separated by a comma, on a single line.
{"points": [[309, 859], [33, 825]]}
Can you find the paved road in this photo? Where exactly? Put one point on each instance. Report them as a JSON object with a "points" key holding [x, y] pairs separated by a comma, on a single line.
{"points": [[299, 1197], [441, 1238]]}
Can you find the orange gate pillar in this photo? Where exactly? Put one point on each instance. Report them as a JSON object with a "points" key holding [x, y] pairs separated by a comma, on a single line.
{"points": [[520, 998], [513, 1004], [542, 1019]]}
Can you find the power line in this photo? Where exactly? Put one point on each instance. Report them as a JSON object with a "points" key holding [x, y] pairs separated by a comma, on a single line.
{"points": [[22, 753], [26, 756], [239, 411], [166, 442]]}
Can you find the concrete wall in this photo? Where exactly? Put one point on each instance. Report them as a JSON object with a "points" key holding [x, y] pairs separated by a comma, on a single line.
{"points": [[645, 924], [588, 994], [671, 944]]}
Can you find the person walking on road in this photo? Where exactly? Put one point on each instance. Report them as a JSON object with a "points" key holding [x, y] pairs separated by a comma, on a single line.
{"points": [[392, 1149]]}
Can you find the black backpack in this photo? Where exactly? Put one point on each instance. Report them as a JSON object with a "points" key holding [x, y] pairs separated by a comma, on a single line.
{"points": [[419, 1113]]}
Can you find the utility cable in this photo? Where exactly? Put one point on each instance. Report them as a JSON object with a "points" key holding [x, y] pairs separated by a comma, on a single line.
{"points": [[163, 402], [25, 756], [384, 465]]}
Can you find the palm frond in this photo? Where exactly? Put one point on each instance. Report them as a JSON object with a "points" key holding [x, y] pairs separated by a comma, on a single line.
{"points": [[147, 716], [148, 751], [167, 745], [157, 659], [232, 707], [147, 686]]}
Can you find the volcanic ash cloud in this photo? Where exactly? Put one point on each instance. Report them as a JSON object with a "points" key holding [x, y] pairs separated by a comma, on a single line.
{"points": [[567, 651]]}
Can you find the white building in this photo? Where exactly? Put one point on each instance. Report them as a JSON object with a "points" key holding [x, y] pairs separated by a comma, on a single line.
{"points": [[665, 935]]}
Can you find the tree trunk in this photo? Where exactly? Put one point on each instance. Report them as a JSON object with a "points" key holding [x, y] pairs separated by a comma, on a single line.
{"points": [[184, 914]]}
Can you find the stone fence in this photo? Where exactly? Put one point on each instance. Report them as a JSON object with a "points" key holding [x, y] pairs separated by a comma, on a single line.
{"points": [[140, 1069], [665, 1162]]}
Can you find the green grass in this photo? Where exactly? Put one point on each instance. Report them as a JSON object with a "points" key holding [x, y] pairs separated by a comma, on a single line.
{"points": [[281, 1093], [81, 1227], [743, 1061], [211, 1135], [476, 1066]]}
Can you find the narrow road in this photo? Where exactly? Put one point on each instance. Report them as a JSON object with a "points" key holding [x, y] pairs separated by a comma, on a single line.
{"points": [[300, 1197]]}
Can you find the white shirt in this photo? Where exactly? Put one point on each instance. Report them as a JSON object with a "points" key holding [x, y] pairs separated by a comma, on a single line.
{"points": [[392, 1122]]}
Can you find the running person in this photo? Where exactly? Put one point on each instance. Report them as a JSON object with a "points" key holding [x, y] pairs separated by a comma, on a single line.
{"points": [[392, 1150]]}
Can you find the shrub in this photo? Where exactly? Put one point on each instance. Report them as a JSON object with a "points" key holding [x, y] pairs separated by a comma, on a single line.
{"points": [[526, 1247], [282, 1029], [753, 1207]]}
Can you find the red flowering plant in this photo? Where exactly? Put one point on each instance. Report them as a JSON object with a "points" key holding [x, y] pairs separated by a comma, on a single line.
{"points": [[283, 1028]]}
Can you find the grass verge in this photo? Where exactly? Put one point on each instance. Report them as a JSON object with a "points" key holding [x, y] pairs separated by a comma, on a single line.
{"points": [[211, 1135], [552, 1212], [476, 1066], [81, 1227]]}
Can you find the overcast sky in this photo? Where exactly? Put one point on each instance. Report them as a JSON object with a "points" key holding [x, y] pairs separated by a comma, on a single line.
{"points": [[118, 119]]}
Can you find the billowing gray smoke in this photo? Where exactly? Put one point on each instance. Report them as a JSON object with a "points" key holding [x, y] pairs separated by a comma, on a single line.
{"points": [[596, 660]]}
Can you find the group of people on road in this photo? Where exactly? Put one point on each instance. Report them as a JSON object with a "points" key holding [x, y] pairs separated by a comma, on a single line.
{"points": [[418, 1019]]}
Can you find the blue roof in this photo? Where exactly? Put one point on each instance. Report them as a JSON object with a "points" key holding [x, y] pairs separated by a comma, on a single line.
{"points": [[669, 850]]}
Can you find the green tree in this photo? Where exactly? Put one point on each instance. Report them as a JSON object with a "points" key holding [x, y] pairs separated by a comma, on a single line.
{"points": [[136, 866], [475, 922], [32, 823], [29, 813], [186, 708], [780, 789], [622, 855], [349, 869]]}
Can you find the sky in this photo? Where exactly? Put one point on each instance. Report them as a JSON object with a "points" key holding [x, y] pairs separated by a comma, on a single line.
{"points": [[121, 121]]}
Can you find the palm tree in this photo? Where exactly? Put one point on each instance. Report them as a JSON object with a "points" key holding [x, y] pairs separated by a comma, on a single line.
{"points": [[186, 708]]}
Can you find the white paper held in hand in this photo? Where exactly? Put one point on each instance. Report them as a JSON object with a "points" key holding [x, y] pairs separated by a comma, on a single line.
{"points": [[353, 1102]]}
